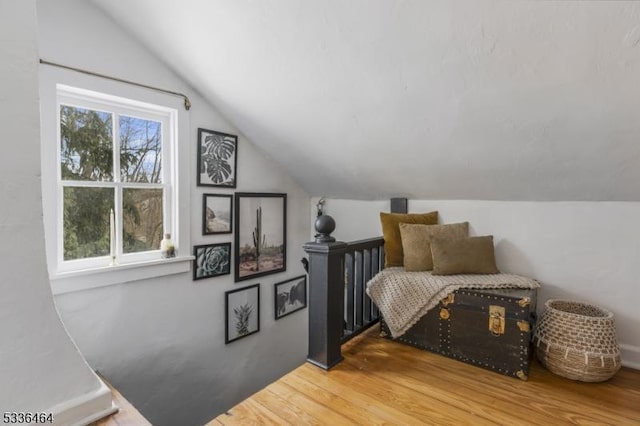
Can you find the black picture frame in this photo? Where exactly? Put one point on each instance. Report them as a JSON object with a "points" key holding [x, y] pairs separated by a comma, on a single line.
{"points": [[250, 209], [217, 159], [236, 304], [211, 260], [289, 296], [217, 214]]}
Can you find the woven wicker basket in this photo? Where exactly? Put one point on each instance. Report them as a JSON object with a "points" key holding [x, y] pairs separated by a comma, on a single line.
{"points": [[578, 341]]}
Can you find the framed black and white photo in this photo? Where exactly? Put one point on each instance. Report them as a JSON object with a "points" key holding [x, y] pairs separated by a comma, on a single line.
{"points": [[211, 260], [217, 214], [261, 234], [290, 296], [242, 312], [217, 158]]}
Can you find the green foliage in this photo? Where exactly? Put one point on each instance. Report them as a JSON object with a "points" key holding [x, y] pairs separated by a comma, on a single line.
{"points": [[86, 144], [86, 222], [87, 155]]}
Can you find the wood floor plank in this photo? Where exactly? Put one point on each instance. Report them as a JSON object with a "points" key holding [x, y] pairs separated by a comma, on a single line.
{"points": [[436, 389], [406, 400], [283, 409], [572, 404], [384, 382], [359, 399], [502, 407], [330, 400], [310, 406], [250, 412]]}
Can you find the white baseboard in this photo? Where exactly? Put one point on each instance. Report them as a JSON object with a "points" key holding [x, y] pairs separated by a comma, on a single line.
{"points": [[630, 356], [84, 409]]}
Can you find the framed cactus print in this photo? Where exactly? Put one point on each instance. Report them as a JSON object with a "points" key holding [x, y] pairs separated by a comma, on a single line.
{"points": [[242, 313], [217, 159], [260, 234]]}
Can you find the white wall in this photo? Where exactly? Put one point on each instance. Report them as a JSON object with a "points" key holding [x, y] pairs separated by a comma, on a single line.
{"points": [[161, 341], [40, 368], [577, 250]]}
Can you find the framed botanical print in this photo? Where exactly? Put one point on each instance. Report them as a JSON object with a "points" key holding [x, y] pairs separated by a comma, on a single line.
{"points": [[242, 312], [290, 296], [217, 214], [211, 260], [217, 158], [261, 234]]}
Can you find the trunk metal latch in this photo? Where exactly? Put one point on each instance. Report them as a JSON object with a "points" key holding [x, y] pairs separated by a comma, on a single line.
{"points": [[496, 320]]}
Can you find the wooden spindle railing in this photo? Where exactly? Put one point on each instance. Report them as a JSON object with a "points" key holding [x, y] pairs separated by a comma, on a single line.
{"points": [[363, 260]]}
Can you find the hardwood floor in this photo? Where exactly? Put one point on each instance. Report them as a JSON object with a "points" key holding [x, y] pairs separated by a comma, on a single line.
{"points": [[383, 382]]}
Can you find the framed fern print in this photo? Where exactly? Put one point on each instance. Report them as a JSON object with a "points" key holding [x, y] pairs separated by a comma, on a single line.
{"points": [[242, 312], [217, 159]]}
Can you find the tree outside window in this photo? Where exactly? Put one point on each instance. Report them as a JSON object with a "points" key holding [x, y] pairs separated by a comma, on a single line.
{"points": [[110, 160]]}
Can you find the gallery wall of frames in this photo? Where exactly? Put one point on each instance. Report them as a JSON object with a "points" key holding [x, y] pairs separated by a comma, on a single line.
{"points": [[257, 224]]}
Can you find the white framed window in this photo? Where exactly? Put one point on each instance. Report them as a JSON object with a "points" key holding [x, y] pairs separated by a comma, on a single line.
{"points": [[114, 162]]}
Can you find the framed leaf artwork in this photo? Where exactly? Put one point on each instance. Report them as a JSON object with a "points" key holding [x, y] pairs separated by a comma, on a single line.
{"points": [[290, 296], [217, 159]]}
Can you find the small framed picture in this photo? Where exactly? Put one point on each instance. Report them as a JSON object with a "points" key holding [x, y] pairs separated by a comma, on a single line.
{"points": [[290, 296], [211, 260], [242, 310], [261, 234], [217, 159], [217, 214]]}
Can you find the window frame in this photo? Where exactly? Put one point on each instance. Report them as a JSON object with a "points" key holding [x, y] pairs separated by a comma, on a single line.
{"points": [[80, 274], [116, 107]]}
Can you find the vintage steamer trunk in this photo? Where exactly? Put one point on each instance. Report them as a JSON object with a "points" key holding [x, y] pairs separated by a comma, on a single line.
{"points": [[489, 328]]}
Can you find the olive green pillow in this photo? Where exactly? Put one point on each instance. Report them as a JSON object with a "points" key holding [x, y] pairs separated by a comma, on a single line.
{"points": [[473, 255], [391, 232], [416, 242]]}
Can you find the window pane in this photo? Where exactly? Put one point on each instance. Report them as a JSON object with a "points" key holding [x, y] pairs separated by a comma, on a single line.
{"points": [[140, 150], [86, 148], [143, 226], [86, 222]]}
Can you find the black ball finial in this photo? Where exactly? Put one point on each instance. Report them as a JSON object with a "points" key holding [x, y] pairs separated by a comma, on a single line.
{"points": [[324, 225]]}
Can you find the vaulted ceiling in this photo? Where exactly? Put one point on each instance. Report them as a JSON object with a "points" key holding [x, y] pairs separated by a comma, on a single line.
{"points": [[450, 99]]}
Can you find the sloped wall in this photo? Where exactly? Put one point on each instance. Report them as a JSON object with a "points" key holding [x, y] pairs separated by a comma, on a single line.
{"points": [[40, 368], [577, 250], [161, 341]]}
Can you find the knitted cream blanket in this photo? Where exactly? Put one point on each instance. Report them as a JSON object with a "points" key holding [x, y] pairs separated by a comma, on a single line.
{"points": [[404, 297]]}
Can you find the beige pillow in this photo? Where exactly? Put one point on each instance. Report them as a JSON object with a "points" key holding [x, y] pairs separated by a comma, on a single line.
{"points": [[474, 255], [416, 242], [391, 232]]}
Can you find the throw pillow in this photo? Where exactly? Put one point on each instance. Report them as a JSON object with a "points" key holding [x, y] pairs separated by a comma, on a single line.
{"points": [[391, 232], [473, 255], [416, 242]]}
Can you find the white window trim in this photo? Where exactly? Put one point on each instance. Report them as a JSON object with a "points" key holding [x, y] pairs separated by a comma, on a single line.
{"points": [[133, 267]]}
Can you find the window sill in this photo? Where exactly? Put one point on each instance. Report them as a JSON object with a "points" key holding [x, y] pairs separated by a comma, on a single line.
{"points": [[67, 282]]}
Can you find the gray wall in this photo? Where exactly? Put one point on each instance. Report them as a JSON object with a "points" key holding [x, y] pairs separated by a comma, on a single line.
{"points": [[161, 341], [40, 368]]}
